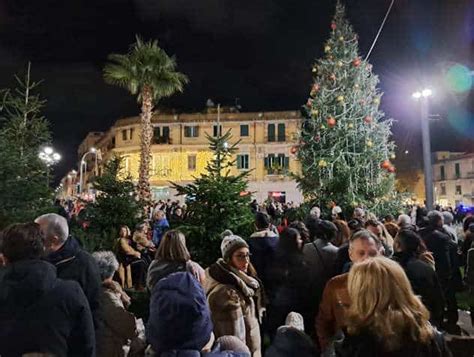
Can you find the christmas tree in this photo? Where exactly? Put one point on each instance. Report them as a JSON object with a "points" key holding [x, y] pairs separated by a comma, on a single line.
{"points": [[344, 144], [24, 189], [216, 201]]}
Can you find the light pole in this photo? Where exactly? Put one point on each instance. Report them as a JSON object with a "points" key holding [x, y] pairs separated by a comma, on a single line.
{"points": [[423, 97], [83, 167], [50, 158]]}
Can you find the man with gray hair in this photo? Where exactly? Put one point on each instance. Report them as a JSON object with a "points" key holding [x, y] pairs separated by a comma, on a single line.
{"points": [[70, 260], [448, 225]]}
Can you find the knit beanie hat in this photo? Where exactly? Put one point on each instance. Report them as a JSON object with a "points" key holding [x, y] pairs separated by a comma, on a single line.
{"points": [[230, 244], [232, 343], [179, 315]]}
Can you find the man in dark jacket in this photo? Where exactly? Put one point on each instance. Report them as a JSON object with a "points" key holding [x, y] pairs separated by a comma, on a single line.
{"points": [[70, 260], [263, 244], [439, 243], [40, 313]]}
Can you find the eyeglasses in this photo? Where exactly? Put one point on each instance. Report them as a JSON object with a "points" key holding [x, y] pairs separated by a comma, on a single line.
{"points": [[242, 256]]}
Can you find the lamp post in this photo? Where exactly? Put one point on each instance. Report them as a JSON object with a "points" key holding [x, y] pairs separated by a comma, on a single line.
{"points": [[423, 97], [83, 167], [50, 158]]}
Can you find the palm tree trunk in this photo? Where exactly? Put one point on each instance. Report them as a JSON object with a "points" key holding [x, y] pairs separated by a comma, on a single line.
{"points": [[145, 146]]}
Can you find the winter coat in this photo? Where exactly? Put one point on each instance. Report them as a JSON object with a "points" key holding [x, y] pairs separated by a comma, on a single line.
{"points": [[159, 229], [332, 310], [262, 246], [437, 242], [74, 263], [142, 241], [235, 301], [424, 282], [469, 274], [41, 313], [292, 283], [118, 325], [291, 342], [161, 269], [367, 345]]}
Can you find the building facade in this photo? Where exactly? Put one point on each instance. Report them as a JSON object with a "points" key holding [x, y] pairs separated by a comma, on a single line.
{"points": [[453, 174], [180, 149]]}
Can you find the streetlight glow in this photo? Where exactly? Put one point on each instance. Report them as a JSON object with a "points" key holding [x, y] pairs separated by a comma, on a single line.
{"points": [[56, 156], [93, 150], [426, 92], [48, 150], [416, 95]]}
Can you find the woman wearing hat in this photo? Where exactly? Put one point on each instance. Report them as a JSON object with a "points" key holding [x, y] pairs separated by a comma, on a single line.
{"points": [[235, 294]]}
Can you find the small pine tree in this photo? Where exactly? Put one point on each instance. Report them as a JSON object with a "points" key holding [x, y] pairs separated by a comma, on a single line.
{"points": [[345, 148], [24, 190], [215, 202], [116, 204]]}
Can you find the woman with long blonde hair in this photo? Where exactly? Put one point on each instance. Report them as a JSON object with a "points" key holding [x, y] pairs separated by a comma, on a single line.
{"points": [[385, 317]]}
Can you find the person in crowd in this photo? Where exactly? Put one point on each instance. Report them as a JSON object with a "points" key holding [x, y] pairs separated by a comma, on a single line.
{"points": [[127, 255], [390, 225], [387, 324], [290, 274], [180, 323], [469, 280], [320, 257], [172, 256], [448, 219], [254, 206], [235, 294], [302, 229], [160, 226], [359, 214], [70, 260], [177, 217], [119, 325], [404, 222], [409, 253], [440, 244], [142, 243], [291, 339], [40, 313], [262, 245], [379, 230], [315, 212], [467, 243], [343, 233], [342, 259], [335, 301]]}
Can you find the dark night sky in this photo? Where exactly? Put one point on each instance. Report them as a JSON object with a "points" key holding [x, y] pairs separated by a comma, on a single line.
{"points": [[260, 51]]}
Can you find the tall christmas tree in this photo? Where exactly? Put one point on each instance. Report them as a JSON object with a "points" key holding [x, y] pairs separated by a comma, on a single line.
{"points": [[344, 145], [216, 201]]}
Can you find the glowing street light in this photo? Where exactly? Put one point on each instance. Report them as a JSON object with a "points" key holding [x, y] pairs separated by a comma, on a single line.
{"points": [[83, 166], [49, 156], [423, 97]]}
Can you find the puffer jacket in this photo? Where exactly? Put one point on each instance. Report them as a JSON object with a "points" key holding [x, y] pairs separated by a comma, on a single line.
{"points": [[118, 325], [236, 303]]}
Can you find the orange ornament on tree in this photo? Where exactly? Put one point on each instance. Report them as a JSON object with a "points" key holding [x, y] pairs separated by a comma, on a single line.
{"points": [[356, 62], [331, 122], [368, 119], [385, 165]]}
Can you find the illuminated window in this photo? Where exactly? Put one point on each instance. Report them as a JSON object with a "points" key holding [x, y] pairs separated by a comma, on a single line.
{"points": [[192, 162]]}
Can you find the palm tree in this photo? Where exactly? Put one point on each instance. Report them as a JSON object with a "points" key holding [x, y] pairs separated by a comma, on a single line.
{"points": [[148, 72]]}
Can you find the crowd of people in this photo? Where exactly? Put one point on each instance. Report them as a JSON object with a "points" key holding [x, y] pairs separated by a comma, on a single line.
{"points": [[328, 286]]}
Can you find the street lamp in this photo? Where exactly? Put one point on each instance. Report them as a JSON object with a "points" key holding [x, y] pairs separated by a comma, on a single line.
{"points": [[83, 166], [50, 158], [423, 97]]}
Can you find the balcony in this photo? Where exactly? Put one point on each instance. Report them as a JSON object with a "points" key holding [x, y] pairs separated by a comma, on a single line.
{"points": [[159, 140], [277, 171], [275, 138]]}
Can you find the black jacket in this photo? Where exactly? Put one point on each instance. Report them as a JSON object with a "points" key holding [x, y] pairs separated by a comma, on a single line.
{"points": [[73, 263], [41, 313], [437, 242], [366, 345], [424, 282], [291, 342]]}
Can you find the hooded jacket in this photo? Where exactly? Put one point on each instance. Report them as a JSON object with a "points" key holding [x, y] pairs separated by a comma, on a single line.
{"points": [[74, 263], [263, 246], [41, 313], [235, 300]]}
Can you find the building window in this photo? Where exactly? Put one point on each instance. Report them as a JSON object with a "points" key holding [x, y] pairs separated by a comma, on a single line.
{"points": [[281, 132], [443, 189], [192, 162], [244, 130], [458, 190], [156, 132], [131, 134], [166, 132], [271, 132], [191, 131], [243, 162], [214, 130], [127, 164], [457, 170], [124, 135], [277, 163], [442, 173]]}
